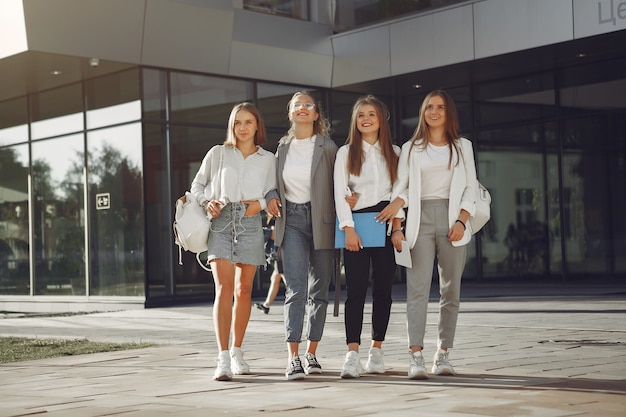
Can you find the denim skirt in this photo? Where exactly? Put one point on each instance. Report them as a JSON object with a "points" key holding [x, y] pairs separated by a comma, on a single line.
{"points": [[236, 237]]}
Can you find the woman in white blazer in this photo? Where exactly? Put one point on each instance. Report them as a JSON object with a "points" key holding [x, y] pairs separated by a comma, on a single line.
{"points": [[437, 182]]}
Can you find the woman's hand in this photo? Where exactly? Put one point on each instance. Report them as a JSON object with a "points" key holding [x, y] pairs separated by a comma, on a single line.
{"points": [[456, 232], [389, 212], [214, 208], [273, 207], [353, 241], [352, 199], [253, 207], [396, 239]]}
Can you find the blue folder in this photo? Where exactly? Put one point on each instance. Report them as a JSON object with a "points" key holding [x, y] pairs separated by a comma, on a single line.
{"points": [[371, 232]]}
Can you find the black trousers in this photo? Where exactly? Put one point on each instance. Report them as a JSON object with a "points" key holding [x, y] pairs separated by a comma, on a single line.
{"points": [[358, 265]]}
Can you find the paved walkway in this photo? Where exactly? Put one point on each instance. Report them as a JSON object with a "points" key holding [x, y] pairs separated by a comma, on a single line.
{"points": [[515, 356]]}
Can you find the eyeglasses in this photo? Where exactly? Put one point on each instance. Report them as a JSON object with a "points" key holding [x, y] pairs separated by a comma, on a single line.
{"points": [[298, 106]]}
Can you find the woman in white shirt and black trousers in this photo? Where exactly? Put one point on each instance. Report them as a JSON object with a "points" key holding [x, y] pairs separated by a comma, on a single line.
{"points": [[234, 198], [365, 170]]}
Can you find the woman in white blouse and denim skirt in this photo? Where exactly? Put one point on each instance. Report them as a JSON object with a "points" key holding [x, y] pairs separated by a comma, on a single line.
{"points": [[234, 200]]}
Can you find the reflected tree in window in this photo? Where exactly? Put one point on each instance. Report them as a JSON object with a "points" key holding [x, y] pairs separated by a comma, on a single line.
{"points": [[117, 266]]}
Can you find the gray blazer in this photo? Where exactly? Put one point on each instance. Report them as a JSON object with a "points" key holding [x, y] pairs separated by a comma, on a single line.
{"points": [[322, 192]]}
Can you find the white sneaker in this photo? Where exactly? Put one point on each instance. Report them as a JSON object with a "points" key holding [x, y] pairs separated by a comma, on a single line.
{"points": [[239, 365], [375, 363], [417, 370], [441, 365], [311, 365], [222, 372], [352, 366]]}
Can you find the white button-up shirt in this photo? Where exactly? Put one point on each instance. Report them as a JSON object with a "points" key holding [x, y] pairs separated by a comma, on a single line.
{"points": [[241, 178], [371, 187]]}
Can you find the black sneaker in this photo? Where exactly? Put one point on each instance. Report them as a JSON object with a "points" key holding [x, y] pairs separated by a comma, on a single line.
{"points": [[294, 369], [260, 306], [311, 365]]}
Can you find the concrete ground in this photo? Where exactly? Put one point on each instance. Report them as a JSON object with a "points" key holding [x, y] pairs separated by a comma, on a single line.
{"points": [[562, 353]]}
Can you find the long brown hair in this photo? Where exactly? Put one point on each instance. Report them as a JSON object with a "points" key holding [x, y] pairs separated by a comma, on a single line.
{"points": [[260, 137], [355, 138], [451, 128]]}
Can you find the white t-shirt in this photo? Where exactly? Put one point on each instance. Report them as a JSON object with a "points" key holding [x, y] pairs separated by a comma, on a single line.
{"points": [[436, 173], [297, 170]]}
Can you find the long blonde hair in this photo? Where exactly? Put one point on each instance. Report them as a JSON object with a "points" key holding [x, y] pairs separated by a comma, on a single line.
{"points": [[451, 128], [355, 138]]}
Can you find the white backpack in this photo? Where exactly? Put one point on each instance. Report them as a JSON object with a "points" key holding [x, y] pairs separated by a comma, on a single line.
{"points": [[191, 223]]}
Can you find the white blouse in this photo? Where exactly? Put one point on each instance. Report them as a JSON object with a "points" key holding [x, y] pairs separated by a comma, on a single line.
{"points": [[371, 187], [241, 178]]}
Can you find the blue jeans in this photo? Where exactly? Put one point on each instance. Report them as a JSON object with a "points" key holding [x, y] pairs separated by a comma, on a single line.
{"points": [[307, 276]]}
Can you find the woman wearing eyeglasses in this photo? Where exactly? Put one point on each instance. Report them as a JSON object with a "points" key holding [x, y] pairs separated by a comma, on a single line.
{"points": [[305, 227]]}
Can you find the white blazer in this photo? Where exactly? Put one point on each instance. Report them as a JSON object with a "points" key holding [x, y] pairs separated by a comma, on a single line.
{"points": [[462, 189]]}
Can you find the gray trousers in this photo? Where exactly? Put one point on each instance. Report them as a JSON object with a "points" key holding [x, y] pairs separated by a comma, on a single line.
{"points": [[432, 241]]}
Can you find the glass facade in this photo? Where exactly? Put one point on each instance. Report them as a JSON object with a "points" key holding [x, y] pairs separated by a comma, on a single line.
{"points": [[89, 173], [346, 14]]}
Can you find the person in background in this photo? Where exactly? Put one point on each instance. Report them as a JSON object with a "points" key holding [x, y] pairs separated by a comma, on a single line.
{"points": [[272, 260], [437, 180], [366, 166], [304, 209], [235, 247]]}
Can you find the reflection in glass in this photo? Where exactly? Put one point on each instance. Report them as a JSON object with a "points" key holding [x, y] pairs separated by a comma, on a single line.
{"points": [[514, 242], [514, 100], [154, 90], [113, 99], [57, 126], [116, 227], [585, 198], [555, 214], [159, 244], [354, 13], [58, 214], [13, 121], [202, 99], [57, 112], [119, 113], [287, 8], [189, 145], [14, 246]]}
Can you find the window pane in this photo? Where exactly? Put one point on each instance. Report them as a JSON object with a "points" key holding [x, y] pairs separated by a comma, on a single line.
{"points": [[14, 122], [154, 93], [116, 207], [113, 99], [57, 112], [189, 146], [59, 218], [513, 100], [159, 210], [287, 8], [14, 246], [353, 13], [592, 88], [585, 198], [208, 100], [554, 214]]}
